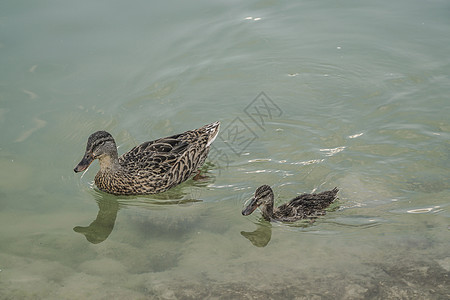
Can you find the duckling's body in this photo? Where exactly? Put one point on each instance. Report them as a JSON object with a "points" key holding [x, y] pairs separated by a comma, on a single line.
{"points": [[150, 168], [301, 207]]}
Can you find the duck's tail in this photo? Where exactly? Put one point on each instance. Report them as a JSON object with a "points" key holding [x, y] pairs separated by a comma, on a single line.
{"points": [[213, 130]]}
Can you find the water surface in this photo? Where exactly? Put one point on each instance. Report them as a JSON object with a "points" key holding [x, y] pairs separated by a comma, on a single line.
{"points": [[310, 95]]}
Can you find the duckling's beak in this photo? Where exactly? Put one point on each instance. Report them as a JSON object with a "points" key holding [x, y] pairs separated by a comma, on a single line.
{"points": [[88, 158], [250, 207]]}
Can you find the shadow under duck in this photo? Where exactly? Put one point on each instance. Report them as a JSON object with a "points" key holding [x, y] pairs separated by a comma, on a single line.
{"points": [[152, 167], [301, 207]]}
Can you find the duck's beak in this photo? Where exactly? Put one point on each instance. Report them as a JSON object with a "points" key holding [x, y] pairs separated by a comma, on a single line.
{"points": [[250, 207], [88, 158]]}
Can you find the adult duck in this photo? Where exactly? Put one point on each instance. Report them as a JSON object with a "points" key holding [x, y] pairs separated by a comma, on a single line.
{"points": [[150, 168], [301, 207]]}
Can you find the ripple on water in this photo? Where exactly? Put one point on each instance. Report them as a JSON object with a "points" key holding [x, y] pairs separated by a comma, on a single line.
{"points": [[420, 210], [358, 221]]}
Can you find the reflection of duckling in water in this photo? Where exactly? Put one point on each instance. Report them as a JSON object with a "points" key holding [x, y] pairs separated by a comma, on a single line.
{"points": [[261, 236], [102, 226], [301, 207]]}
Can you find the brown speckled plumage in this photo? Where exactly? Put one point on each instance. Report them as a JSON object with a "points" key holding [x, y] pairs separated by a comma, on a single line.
{"points": [[301, 207], [152, 167]]}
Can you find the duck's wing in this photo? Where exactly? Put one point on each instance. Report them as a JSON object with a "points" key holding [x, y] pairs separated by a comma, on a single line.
{"points": [[177, 155], [194, 154], [156, 157]]}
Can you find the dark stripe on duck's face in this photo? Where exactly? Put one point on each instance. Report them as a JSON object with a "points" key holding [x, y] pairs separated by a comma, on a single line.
{"points": [[99, 143], [250, 207], [98, 138], [87, 159]]}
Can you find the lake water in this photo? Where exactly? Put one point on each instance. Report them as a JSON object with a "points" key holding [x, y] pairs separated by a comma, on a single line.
{"points": [[311, 95]]}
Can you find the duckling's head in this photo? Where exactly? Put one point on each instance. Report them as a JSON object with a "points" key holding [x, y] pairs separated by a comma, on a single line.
{"points": [[100, 145], [263, 197]]}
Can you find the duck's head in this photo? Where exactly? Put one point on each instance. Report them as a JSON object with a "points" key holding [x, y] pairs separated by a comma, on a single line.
{"points": [[263, 197], [100, 145]]}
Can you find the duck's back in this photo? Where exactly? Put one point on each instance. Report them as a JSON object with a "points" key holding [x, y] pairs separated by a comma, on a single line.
{"points": [[160, 164], [165, 151], [154, 156]]}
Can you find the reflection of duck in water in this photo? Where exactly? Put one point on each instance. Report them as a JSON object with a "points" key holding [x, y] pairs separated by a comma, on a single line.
{"points": [[303, 206], [150, 168], [102, 226], [100, 229]]}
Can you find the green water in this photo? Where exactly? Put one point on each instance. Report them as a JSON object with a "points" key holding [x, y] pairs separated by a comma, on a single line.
{"points": [[311, 95]]}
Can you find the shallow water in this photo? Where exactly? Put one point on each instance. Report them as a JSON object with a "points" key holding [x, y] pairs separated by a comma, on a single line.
{"points": [[310, 96]]}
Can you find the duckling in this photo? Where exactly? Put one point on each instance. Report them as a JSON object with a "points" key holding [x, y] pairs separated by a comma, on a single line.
{"points": [[301, 207], [150, 168]]}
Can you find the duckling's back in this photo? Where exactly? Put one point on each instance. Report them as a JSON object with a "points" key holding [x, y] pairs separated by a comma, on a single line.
{"points": [[308, 204]]}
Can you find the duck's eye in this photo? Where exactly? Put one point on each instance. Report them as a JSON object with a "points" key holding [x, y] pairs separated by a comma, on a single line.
{"points": [[98, 146]]}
